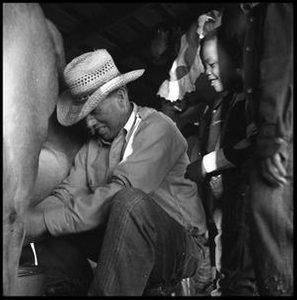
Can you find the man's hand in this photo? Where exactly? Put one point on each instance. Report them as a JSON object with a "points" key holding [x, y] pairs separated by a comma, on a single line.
{"points": [[195, 171], [35, 226], [273, 170]]}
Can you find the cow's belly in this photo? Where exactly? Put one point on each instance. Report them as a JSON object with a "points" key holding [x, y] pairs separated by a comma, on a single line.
{"points": [[56, 157]]}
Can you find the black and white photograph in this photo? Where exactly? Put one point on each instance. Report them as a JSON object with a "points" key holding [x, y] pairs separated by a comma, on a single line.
{"points": [[147, 149]]}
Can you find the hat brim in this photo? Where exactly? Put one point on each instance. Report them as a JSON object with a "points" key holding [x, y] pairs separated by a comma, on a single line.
{"points": [[69, 114]]}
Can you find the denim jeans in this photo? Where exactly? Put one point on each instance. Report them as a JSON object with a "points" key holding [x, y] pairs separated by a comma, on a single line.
{"points": [[140, 246], [272, 232]]}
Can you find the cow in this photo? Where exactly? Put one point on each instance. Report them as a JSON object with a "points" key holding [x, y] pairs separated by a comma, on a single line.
{"points": [[37, 151]]}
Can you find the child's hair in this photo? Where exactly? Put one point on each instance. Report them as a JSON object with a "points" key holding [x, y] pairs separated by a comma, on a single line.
{"points": [[232, 48]]}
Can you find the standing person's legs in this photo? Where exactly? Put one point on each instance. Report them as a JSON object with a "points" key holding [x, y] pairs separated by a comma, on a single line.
{"points": [[217, 219], [236, 262], [143, 246], [272, 233], [233, 254]]}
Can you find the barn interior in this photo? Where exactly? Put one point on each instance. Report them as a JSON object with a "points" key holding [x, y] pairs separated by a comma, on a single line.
{"points": [[138, 35], [129, 31], [131, 34]]}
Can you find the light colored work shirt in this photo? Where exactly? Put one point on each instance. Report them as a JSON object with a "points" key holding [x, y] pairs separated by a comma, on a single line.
{"points": [[150, 154]]}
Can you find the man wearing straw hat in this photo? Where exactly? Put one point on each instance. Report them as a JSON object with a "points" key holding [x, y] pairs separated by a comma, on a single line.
{"points": [[125, 203]]}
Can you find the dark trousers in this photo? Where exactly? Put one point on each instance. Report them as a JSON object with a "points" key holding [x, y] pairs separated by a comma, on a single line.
{"points": [[140, 246], [272, 232], [235, 272]]}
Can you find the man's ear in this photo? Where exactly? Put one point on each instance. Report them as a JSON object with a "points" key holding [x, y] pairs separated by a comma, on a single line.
{"points": [[122, 95]]}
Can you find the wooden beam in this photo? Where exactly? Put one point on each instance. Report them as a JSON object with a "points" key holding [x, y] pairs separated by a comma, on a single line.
{"points": [[165, 13], [135, 23], [102, 23], [58, 9], [67, 7]]}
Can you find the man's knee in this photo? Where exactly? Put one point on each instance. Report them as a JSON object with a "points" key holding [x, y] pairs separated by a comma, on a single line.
{"points": [[126, 196], [129, 199]]}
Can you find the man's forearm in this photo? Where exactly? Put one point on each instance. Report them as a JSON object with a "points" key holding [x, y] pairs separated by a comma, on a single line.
{"points": [[35, 227]]}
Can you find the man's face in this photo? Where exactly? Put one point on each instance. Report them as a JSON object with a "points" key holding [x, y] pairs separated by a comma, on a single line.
{"points": [[106, 119], [219, 68]]}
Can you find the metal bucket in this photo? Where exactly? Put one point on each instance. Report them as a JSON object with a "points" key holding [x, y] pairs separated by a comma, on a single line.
{"points": [[30, 281]]}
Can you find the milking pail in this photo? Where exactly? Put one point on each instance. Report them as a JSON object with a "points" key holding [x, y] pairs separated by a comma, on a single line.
{"points": [[30, 281]]}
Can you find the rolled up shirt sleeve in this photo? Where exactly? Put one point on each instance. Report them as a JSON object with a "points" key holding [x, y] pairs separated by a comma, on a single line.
{"points": [[155, 148], [55, 205], [216, 161]]}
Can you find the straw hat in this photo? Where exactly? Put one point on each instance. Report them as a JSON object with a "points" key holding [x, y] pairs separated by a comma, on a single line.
{"points": [[90, 78]]}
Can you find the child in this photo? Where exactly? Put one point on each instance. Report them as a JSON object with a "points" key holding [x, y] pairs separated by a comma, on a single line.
{"points": [[219, 172]]}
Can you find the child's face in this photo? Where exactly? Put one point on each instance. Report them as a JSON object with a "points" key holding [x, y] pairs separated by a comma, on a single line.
{"points": [[219, 67]]}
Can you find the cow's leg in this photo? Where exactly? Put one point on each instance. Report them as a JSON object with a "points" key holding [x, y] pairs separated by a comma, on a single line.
{"points": [[30, 92]]}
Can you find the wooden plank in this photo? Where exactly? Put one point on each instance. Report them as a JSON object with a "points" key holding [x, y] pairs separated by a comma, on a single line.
{"points": [[166, 14], [148, 17], [84, 11], [64, 21], [124, 33], [103, 22], [134, 23]]}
